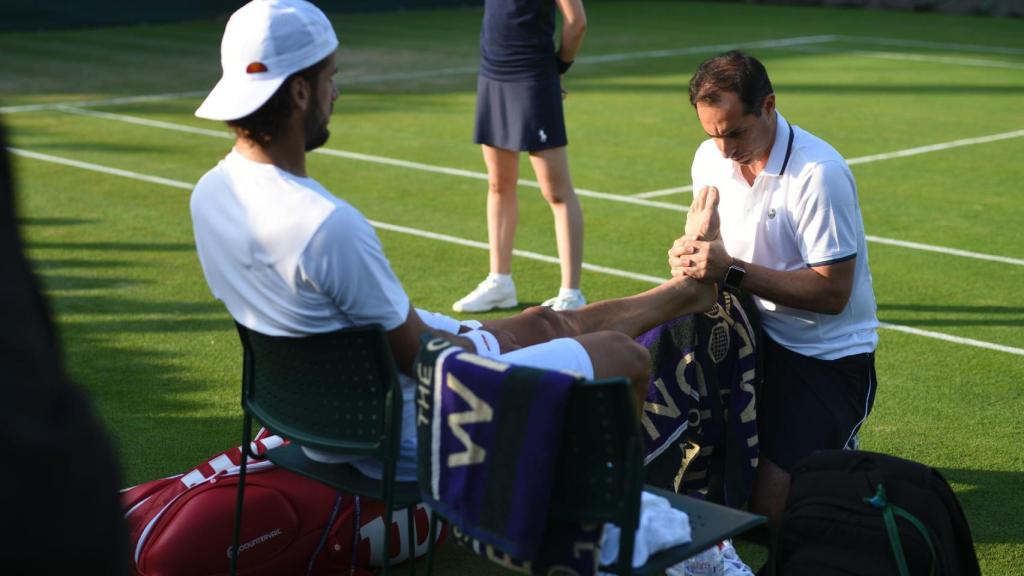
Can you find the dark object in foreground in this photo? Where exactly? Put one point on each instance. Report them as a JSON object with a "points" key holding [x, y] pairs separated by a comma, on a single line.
{"points": [[851, 512], [59, 489]]}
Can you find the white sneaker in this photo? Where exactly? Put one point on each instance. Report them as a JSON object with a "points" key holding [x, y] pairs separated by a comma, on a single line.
{"points": [[566, 300], [490, 294]]}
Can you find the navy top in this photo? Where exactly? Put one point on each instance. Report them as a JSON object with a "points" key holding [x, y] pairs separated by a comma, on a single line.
{"points": [[516, 40]]}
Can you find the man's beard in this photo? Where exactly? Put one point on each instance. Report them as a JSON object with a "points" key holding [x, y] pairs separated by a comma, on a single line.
{"points": [[315, 125]]}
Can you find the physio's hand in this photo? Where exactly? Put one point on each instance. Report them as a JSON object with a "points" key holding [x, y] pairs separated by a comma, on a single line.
{"points": [[701, 260]]}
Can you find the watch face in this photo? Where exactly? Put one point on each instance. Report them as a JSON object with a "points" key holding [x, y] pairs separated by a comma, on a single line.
{"points": [[734, 276]]}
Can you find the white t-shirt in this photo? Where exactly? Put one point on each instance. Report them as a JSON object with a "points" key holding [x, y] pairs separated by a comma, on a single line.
{"points": [[802, 211], [268, 242], [287, 258]]}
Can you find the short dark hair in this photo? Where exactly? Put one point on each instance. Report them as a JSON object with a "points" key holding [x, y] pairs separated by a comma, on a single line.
{"points": [[732, 71], [270, 119]]}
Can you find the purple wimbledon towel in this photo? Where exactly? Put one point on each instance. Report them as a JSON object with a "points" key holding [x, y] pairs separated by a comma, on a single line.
{"points": [[495, 430]]}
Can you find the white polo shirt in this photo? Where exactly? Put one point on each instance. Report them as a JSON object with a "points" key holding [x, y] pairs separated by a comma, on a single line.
{"points": [[802, 211]]}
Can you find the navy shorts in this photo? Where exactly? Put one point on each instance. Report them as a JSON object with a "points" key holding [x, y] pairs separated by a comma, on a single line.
{"points": [[522, 116], [808, 404]]}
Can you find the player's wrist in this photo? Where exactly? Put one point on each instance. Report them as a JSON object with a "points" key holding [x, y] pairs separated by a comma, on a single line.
{"points": [[562, 65]]}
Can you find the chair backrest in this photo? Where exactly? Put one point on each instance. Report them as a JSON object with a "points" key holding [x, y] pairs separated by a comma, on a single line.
{"points": [[600, 470], [336, 391]]}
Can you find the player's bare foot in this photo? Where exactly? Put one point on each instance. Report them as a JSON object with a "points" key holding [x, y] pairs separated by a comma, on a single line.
{"points": [[702, 222]]}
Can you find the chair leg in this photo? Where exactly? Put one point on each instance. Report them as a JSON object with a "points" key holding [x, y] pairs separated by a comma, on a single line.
{"points": [[387, 533], [410, 517], [626, 552], [431, 538], [772, 544], [246, 433]]}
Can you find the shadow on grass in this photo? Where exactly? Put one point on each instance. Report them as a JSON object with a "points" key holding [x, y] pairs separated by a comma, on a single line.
{"points": [[102, 304], [151, 446], [44, 266], [115, 246], [162, 368], [992, 503], [55, 221], [165, 412], [955, 315], [64, 283]]}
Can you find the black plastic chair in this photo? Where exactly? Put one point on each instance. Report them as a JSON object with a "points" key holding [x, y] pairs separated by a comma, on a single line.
{"points": [[600, 478], [336, 392]]}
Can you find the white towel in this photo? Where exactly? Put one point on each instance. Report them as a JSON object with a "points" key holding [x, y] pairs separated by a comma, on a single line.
{"points": [[719, 560], [661, 527]]}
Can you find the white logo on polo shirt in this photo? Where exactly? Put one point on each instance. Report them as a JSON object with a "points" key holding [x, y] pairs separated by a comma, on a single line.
{"points": [[543, 136]]}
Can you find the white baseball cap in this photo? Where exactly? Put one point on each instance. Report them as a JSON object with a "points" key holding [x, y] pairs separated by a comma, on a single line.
{"points": [[265, 42]]}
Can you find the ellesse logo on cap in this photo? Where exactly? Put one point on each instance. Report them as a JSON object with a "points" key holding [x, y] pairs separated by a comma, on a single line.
{"points": [[255, 68]]}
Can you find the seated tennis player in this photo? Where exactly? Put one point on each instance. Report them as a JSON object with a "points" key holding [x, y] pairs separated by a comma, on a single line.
{"points": [[287, 258]]}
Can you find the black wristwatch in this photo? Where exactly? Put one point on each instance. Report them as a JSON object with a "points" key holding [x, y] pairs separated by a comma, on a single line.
{"points": [[734, 275]]}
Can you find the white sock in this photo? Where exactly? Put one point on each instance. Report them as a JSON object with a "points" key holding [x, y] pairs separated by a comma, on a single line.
{"points": [[501, 278], [569, 293]]}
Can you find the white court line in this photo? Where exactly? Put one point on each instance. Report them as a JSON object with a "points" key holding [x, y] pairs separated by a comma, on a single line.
{"points": [[648, 54], [877, 157], [945, 46], [453, 71], [591, 193], [944, 250], [912, 57], [99, 168], [778, 43], [664, 192], [953, 339], [937, 59], [104, 102], [363, 157], [378, 224], [483, 246], [517, 252], [936, 147]]}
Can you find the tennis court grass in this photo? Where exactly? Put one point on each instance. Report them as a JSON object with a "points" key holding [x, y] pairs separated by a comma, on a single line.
{"points": [[160, 358]]}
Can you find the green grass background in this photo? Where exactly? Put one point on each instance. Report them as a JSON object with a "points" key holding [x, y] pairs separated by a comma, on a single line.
{"points": [[160, 358]]}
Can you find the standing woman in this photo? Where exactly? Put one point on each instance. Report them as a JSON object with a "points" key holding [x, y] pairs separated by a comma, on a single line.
{"points": [[519, 108]]}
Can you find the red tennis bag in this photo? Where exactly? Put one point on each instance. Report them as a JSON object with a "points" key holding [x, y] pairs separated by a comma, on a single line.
{"points": [[183, 525]]}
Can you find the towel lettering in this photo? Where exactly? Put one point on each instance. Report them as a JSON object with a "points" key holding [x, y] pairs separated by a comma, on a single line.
{"points": [[479, 411]]}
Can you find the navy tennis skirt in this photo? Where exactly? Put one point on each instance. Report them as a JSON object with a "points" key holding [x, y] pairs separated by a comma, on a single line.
{"points": [[523, 116]]}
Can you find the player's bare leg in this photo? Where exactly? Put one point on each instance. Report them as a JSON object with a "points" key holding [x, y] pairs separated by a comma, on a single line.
{"points": [[632, 315]]}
